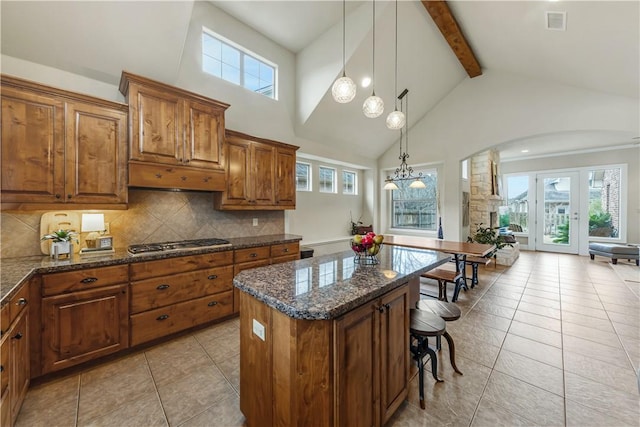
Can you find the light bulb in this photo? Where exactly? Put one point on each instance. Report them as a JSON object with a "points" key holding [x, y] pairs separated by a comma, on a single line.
{"points": [[395, 120], [343, 90], [373, 106]]}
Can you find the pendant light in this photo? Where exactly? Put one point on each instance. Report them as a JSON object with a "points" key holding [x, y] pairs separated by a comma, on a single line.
{"points": [[374, 105], [396, 119], [343, 89]]}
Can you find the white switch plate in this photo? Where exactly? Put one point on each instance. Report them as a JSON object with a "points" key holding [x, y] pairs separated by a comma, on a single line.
{"points": [[258, 329], [255, 222]]}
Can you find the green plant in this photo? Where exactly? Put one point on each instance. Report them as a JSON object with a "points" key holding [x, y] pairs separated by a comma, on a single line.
{"points": [[60, 236], [489, 236], [354, 225], [599, 220], [563, 233]]}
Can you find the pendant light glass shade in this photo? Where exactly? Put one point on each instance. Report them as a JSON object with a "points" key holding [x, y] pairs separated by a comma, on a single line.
{"points": [[343, 90], [417, 184], [390, 185], [373, 106], [396, 120]]}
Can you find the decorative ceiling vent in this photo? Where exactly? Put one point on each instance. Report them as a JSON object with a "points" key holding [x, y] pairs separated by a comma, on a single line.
{"points": [[556, 21]]}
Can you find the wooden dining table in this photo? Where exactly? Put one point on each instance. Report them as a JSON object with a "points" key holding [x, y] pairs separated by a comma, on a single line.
{"points": [[459, 250]]}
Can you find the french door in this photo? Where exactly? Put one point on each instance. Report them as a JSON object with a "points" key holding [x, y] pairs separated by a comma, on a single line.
{"points": [[558, 212]]}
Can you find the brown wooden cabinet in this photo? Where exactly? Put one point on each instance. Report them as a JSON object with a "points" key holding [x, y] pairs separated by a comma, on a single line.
{"points": [[260, 174], [82, 325], [176, 136], [169, 296], [61, 149], [14, 356]]}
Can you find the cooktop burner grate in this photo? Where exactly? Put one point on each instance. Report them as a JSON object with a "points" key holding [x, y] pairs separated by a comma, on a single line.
{"points": [[176, 246]]}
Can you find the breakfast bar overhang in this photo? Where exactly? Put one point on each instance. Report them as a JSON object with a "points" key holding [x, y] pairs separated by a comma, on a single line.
{"points": [[325, 341]]}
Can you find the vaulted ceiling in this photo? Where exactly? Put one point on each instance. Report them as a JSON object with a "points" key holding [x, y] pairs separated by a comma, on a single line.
{"points": [[599, 51]]}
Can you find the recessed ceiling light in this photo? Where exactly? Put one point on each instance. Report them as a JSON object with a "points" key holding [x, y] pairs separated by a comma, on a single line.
{"points": [[366, 81], [524, 151]]}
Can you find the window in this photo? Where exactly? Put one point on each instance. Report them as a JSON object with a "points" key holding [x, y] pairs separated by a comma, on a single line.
{"points": [[604, 202], [518, 202], [303, 176], [224, 59], [349, 182], [327, 180], [465, 169], [415, 208]]}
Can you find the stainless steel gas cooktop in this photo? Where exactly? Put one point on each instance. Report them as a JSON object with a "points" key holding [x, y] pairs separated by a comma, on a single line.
{"points": [[180, 245]]}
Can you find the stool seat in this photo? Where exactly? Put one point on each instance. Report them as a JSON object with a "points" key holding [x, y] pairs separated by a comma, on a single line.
{"points": [[448, 311], [425, 324]]}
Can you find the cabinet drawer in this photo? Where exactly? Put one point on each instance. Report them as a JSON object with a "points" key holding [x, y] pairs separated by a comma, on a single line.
{"points": [[252, 254], [163, 267], [157, 323], [166, 290], [18, 303], [285, 249], [183, 177], [90, 278]]}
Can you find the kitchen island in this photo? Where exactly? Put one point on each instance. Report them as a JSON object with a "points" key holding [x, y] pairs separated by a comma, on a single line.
{"points": [[325, 341]]}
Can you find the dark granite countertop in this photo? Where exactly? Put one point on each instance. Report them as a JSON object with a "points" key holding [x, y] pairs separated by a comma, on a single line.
{"points": [[15, 271], [328, 286]]}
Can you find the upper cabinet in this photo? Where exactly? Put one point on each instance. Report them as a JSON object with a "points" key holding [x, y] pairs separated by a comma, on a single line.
{"points": [[176, 136], [260, 174], [61, 149]]}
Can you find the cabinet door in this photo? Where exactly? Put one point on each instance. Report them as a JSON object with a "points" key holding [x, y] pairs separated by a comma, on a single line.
{"points": [[32, 161], [285, 177], [239, 157], [263, 174], [357, 360], [96, 153], [394, 345], [204, 135], [84, 325], [157, 126], [19, 381]]}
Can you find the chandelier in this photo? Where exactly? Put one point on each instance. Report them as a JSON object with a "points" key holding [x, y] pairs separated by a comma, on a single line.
{"points": [[404, 172]]}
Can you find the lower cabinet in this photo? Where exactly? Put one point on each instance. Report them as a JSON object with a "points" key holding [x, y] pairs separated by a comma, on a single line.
{"points": [[84, 325], [350, 371]]}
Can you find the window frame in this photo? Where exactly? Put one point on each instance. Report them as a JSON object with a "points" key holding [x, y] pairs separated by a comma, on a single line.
{"points": [[355, 182], [425, 170], [309, 187], [243, 52], [334, 175]]}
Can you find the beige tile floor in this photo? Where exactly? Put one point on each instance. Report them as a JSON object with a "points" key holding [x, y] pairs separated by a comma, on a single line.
{"points": [[554, 340]]}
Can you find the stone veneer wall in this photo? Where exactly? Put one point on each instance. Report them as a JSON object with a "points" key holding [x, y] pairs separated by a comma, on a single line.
{"points": [[482, 201], [153, 216]]}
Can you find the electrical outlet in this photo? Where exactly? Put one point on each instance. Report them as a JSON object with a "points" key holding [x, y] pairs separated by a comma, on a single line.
{"points": [[258, 329], [255, 222]]}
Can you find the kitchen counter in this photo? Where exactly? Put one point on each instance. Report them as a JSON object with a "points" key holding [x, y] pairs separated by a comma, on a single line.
{"points": [[15, 271], [328, 286]]}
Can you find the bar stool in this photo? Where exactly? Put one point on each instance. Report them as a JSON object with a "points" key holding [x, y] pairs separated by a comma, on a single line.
{"points": [[448, 311], [423, 325]]}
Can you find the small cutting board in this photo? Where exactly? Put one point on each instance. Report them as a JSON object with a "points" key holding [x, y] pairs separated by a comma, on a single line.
{"points": [[51, 221]]}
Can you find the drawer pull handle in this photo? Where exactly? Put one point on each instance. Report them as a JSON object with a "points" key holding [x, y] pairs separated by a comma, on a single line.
{"points": [[1, 368], [184, 178], [212, 303], [89, 280], [163, 317], [285, 250], [213, 276], [206, 179], [162, 287], [253, 255], [17, 336], [158, 175], [22, 301]]}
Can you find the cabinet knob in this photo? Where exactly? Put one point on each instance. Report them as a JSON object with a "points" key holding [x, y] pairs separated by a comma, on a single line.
{"points": [[158, 175], [68, 196], [187, 160], [381, 309], [162, 287], [22, 301], [212, 303], [89, 280], [213, 276], [58, 196], [387, 306], [206, 179], [163, 317], [18, 336], [184, 178], [253, 255], [1, 368]]}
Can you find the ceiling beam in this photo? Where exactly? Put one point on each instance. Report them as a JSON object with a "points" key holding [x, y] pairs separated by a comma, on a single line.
{"points": [[446, 22]]}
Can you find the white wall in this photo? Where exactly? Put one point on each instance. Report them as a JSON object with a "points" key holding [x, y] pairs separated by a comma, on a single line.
{"points": [[496, 108]]}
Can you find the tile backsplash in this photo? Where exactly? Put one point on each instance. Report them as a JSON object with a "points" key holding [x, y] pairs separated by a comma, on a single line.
{"points": [[153, 216]]}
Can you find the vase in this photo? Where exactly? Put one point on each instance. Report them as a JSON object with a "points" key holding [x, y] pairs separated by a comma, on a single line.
{"points": [[440, 233], [59, 249]]}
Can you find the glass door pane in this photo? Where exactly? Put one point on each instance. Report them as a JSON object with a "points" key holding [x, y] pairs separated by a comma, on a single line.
{"points": [[557, 215]]}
